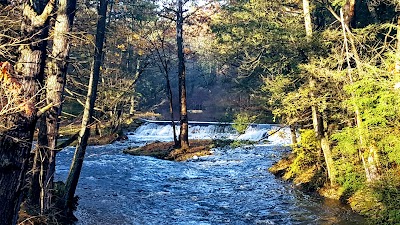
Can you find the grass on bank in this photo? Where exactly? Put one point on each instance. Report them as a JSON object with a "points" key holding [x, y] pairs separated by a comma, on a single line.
{"points": [[379, 202]]}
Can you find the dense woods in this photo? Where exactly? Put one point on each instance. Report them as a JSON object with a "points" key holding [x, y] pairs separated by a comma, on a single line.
{"points": [[330, 70]]}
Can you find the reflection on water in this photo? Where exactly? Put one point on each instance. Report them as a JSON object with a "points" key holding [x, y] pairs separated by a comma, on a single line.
{"points": [[231, 187]]}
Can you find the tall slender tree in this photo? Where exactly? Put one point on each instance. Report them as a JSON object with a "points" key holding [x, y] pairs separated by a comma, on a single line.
{"points": [[77, 162], [317, 118], [184, 121], [163, 59]]}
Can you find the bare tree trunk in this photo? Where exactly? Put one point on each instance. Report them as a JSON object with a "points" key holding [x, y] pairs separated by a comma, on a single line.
{"points": [[316, 116], [307, 18], [171, 110], [77, 162], [322, 136], [16, 140], [132, 106], [48, 132], [184, 130], [371, 164], [327, 150], [164, 68]]}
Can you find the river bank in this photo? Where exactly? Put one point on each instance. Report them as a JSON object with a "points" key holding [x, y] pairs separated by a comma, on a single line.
{"points": [[378, 202]]}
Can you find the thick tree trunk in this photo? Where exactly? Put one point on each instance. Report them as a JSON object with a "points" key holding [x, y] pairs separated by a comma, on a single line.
{"points": [[327, 150], [184, 129], [77, 162], [16, 140], [15, 145], [48, 132]]}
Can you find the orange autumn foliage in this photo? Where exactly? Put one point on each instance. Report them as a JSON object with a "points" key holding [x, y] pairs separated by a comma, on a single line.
{"points": [[6, 78], [10, 88]]}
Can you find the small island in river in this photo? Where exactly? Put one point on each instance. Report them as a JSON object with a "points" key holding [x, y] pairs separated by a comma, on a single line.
{"points": [[166, 150]]}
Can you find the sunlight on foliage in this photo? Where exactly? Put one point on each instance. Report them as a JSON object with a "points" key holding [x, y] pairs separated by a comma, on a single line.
{"points": [[242, 122]]}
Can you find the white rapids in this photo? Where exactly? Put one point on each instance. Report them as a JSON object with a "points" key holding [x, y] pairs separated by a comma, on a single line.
{"points": [[162, 130]]}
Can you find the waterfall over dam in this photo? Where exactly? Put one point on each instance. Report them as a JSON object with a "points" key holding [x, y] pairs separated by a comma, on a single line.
{"points": [[162, 131]]}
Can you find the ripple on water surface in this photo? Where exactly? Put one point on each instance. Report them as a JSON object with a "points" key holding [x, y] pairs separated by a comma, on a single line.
{"points": [[231, 187]]}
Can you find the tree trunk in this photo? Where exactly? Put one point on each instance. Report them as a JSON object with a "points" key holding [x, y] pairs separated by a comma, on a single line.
{"points": [[293, 135], [171, 110], [132, 106], [327, 150], [16, 139], [184, 129], [39, 170], [170, 98], [55, 82], [316, 116], [371, 164], [164, 68], [397, 66], [77, 162], [349, 11], [307, 18], [322, 136]]}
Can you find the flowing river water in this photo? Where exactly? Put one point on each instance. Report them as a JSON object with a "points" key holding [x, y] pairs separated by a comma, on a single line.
{"points": [[233, 186]]}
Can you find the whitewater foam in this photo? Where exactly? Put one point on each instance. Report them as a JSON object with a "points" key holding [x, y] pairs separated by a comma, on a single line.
{"points": [[162, 131]]}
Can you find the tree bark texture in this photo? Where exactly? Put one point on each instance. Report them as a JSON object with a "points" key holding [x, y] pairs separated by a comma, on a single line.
{"points": [[16, 141], [307, 18], [56, 77], [44, 164], [184, 122], [77, 162]]}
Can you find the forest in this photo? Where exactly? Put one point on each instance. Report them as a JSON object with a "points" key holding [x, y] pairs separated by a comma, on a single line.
{"points": [[74, 70]]}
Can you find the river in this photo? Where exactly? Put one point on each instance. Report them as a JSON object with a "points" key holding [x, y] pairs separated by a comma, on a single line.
{"points": [[233, 186]]}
